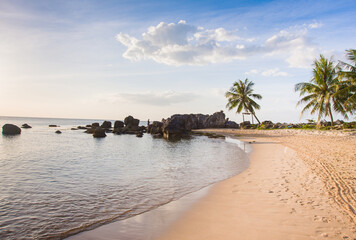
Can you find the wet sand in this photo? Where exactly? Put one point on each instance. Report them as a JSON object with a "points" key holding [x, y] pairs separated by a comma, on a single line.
{"points": [[300, 185]]}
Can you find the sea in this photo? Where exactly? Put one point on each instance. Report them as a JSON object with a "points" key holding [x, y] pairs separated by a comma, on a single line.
{"points": [[56, 185]]}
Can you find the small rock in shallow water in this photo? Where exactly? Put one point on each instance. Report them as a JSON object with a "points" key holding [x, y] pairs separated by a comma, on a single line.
{"points": [[25, 126], [58, 132]]}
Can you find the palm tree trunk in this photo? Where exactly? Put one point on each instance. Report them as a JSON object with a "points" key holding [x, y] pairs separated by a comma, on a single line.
{"points": [[331, 116], [256, 118]]}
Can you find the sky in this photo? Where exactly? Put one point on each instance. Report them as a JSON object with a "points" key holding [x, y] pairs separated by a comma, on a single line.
{"points": [[152, 59]]}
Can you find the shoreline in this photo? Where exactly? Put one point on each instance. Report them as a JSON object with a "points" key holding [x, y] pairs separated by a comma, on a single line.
{"points": [[280, 196], [283, 195]]}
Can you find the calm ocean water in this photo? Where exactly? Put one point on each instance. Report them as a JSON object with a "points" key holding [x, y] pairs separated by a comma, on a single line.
{"points": [[55, 185]]}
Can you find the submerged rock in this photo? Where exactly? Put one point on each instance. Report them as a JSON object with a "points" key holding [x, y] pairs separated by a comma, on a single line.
{"points": [[99, 133], [52, 125], [25, 125], [10, 129], [58, 132]]}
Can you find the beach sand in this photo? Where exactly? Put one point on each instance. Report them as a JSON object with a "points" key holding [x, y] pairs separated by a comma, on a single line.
{"points": [[300, 185]]}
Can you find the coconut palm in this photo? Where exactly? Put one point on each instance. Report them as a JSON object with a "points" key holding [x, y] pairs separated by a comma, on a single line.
{"points": [[347, 81], [320, 91], [240, 97]]}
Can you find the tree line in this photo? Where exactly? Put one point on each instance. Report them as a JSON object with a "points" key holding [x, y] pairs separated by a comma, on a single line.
{"points": [[331, 88]]}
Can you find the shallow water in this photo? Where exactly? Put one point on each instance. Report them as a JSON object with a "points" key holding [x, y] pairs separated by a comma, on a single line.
{"points": [[55, 185]]}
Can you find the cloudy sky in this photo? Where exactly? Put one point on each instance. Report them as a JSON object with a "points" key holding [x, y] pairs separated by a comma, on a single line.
{"points": [[151, 59]]}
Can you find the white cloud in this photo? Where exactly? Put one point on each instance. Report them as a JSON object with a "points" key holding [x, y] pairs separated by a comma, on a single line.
{"points": [[315, 25], [156, 98], [184, 44], [274, 72]]}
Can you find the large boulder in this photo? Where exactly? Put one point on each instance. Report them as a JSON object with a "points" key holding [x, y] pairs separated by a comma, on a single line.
{"points": [[106, 124], [267, 124], [175, 127], [130, 121], [10, 129], [155, 127], [119, 124], [95, 125], [99, 133], [217, 120]]}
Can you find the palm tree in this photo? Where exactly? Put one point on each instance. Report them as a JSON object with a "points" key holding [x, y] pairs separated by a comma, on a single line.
{"points": [[347, 81], [320, 90], [240, 96]]}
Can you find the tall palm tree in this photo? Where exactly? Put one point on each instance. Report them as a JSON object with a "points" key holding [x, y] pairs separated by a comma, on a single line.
{"points": [[347, 81], [240, 96], [320, 90]]}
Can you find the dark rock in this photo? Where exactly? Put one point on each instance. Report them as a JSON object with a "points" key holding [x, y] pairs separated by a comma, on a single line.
{"points": [[95, 125], [25, 126], [119, 124], [90, 130], [10, 129], [139, 134], [155, 127], [99, 133], [217, 120], [245, 124], [157, 135], [339, 122], [58, 132], [131, 121], [74, 129], [52, 125], [81, 127], [231, 124], [88, 126], [106, 124]]}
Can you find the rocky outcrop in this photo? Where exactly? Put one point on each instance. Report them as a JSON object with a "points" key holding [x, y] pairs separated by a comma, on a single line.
{"points": [[155, 128], [179, 125], [106, 124], [245, 125], [10, 129], [119, 124], [217, 120], [95, 125], [25, 125], [99, 133]]}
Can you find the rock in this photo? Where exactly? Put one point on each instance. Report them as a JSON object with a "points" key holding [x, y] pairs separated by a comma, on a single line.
{"points": [[267, 124], [155, 127], [174, 127], [90, 130], [52, 125], [25, 126], [119, 124], [88, 126], [339, 122], [157, 135], [131, 121], [217, 120], [95, 125], [74, 129], [99, 133], [58, 132], [81, 127], [245, 124], [10, 129], [231, 124], [106, 124], [139, 134]]}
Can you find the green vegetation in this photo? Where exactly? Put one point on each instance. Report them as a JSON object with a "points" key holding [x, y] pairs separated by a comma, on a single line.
{"points": [[319, 93], [347, 81], [240, 96]]}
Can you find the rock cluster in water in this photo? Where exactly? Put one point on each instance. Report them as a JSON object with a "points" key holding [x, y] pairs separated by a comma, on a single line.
{"points": [[179, 125]]}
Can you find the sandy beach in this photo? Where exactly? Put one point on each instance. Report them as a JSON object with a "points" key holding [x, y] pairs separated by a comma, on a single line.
{"points": [[300, 185]]}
